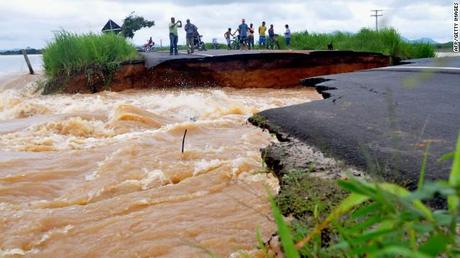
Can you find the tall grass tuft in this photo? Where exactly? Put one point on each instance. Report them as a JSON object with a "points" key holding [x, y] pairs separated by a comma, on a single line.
{"points": [[69, 54], [386, 41]]}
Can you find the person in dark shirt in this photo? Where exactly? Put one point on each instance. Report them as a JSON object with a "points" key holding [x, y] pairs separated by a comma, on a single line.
{"points": [[190, 31], [243, 31], [271, 37]]}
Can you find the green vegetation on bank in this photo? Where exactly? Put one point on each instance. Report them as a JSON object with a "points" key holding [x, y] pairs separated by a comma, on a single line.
{"points": [[372, 220], [386, 41], [303, 196], [96, 56]]}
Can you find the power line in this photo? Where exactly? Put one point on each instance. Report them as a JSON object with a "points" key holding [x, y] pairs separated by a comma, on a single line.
{"points": [[376, 15]]}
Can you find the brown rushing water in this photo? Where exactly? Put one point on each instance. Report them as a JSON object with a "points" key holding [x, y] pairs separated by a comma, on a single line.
{"points": [[102, 175]]}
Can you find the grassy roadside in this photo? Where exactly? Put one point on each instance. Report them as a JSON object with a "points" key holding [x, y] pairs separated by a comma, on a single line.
{"points": [[359, 218], [386, 41], [96, 56]]}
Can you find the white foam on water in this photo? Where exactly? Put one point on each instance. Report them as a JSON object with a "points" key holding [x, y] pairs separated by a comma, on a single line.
{"points": [[152, 176], [203, 166], [17, 251], [50, 233]]}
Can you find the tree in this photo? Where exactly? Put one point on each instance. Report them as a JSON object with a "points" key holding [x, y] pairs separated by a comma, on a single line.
{"points": [[133, 23]]}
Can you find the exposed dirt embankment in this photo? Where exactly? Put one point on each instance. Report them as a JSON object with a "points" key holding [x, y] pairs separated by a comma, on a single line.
{"points": [[250, 70], [261, 70], [127, 76]]}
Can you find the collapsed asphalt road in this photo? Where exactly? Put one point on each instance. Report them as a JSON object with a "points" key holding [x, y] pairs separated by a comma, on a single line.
{"points": [[382, 120]]}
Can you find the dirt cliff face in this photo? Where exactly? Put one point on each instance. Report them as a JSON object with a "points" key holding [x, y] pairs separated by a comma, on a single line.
{"points": [[259, 70], [128, 76]]}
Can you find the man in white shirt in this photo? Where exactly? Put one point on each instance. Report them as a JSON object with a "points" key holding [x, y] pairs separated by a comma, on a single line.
{"points": [[287, 36]]}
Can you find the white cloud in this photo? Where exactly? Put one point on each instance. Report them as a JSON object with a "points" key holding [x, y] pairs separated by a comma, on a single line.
{"points": [[31, 23]]}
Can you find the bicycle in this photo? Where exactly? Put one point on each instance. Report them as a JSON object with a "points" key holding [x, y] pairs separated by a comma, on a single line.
{"points": [[234, 43], [273, 43]]}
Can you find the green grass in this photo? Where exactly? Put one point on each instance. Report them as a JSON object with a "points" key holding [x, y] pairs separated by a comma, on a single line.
{"points": [[382, 220], [305, 197], [386, 41], [69, 54]]}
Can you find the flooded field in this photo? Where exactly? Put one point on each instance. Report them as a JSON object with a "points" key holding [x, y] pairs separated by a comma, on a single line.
{"points": [[103, 175]]}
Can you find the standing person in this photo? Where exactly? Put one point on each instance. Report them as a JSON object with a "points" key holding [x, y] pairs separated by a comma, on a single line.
{"points": [[173, 36], [287, 36], [227, 36], [271, 37], [251, 37], [243, 30], [191, 32], [262, 30]]}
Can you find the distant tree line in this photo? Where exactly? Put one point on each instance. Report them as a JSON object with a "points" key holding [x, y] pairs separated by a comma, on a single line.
{"points": [[30, 51], [444, 46]]}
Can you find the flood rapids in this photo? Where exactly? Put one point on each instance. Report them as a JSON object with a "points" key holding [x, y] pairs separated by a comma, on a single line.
{"points": [[103, 175]]}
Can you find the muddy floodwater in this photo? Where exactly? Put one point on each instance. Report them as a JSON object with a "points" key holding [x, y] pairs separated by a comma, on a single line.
{"points": [[103, 175]]}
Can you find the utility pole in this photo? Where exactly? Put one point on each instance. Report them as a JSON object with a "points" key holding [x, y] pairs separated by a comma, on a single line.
{"points": [[376, 14]]}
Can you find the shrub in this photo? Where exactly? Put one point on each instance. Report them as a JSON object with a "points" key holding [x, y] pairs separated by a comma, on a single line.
{"points": [[69, 54]]}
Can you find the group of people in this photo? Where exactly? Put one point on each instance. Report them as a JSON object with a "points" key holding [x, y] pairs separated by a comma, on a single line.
{"points": [[245, 38]]}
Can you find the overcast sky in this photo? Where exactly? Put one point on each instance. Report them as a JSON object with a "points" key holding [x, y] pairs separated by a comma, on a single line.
{"points": [[32, 22]]}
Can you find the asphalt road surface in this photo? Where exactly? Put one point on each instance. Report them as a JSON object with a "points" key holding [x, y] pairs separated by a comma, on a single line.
{"points": [[153, 59], [383, 120]]}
